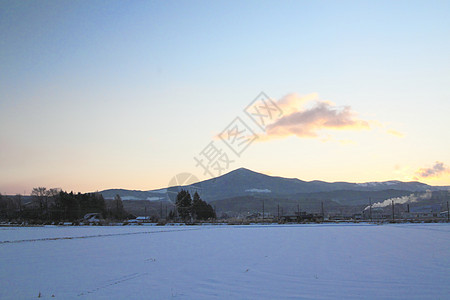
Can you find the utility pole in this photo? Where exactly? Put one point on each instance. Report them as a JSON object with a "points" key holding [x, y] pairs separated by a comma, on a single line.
{"points": [[160, 210], [448, 214], [263, 210], [370, 209], [278, 209], [323, 214], [298, 212], [393, 216]]}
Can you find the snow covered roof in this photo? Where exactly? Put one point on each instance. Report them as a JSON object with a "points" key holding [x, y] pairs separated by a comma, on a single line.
{"points": [[90, 215]]}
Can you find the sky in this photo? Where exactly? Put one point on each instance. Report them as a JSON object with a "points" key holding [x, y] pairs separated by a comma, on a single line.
{"points": [[117, 94]]}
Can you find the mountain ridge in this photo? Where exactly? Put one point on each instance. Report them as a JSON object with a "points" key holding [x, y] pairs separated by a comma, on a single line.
{"points": [[244, 182]]}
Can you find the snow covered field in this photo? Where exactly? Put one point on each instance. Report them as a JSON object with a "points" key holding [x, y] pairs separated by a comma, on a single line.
{"points": [[354, 261]]}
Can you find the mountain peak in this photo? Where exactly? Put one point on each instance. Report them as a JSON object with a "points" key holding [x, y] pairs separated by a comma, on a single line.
{"points": [[243, 170]]}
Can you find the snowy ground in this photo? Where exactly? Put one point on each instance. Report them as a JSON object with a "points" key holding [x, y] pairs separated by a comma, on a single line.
{"points": [[398, 261]]}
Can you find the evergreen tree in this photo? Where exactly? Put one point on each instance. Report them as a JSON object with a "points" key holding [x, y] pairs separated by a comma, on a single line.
{"points": [[197, 206], [3, 207], [202, 210], [183, 204]]}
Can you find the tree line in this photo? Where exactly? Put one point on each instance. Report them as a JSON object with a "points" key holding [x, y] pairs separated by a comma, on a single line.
{"points": [[46, 206], [57, 205]]}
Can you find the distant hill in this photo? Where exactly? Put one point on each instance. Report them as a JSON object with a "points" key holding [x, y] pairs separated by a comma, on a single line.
{"points": [[154, 195], [246, 184]]}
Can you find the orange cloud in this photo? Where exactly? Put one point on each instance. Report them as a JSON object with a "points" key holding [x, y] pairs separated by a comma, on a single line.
{"points": [[292, 102], [301, 121]]}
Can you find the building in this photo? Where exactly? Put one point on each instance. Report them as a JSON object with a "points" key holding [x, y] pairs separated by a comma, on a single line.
{"points": [[424, 212]]}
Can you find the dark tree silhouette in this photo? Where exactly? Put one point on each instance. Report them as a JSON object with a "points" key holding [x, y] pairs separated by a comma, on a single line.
{"points": [[183, 203], [193, 209], [202, 210]]}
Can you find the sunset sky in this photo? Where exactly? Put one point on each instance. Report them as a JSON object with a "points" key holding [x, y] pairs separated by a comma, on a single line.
{"points": [[115, 94]]}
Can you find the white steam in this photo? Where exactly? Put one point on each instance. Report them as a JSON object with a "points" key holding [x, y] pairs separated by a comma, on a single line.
{"points": [[402, 200]]}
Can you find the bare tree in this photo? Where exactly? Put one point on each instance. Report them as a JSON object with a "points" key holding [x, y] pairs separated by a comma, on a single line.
{"points": [[39, 195], [51, 196], [53, 192]]}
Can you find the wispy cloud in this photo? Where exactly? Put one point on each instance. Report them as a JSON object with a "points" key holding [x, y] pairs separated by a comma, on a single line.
{"points": [[306, 116], [436, 170], [395, 133]]}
